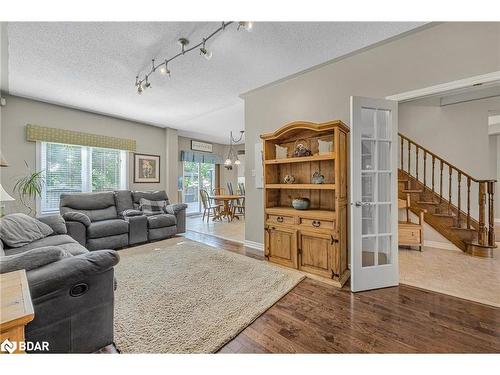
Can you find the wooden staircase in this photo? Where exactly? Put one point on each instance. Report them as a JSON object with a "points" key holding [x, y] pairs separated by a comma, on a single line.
{"points": [[443, 192]]}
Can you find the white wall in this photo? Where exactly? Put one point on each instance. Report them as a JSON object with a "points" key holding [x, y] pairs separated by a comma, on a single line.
{"points": [[442, 53]]}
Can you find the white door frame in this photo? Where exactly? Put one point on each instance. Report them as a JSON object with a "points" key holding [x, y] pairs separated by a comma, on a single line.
{"points": [[482, 79], [384, 275]]}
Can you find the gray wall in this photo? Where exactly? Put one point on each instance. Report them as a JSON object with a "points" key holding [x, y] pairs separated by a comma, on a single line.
{"points": [[18, 112], [438, 54]]}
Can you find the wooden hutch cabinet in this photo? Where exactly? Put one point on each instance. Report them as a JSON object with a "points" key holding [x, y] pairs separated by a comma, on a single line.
{"points": [[312, 240]]}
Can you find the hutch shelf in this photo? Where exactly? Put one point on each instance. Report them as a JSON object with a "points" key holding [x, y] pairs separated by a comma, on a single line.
{"points": [[314, 240]]}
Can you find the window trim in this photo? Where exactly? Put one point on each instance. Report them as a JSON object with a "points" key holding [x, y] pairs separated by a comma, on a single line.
{"points": [[86, 181]]}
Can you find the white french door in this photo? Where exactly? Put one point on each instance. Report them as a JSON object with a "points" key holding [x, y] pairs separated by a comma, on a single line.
{"points": [[374, 210]]}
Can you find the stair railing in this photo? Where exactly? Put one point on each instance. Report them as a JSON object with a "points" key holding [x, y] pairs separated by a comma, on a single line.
{"points": [[485, 188]]}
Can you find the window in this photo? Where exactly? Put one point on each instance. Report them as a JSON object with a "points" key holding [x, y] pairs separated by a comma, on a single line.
{"points": [[196, 176], [71, 168]]}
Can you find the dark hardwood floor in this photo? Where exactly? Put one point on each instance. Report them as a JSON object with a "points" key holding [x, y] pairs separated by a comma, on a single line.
{"points": [[318, 318]]}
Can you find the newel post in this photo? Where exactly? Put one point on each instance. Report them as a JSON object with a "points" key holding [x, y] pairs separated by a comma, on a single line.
{"points": [[483, 231]]}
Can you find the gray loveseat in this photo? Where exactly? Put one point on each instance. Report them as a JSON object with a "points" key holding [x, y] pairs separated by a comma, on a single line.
{"points": [[113, 220], [72, 289]]}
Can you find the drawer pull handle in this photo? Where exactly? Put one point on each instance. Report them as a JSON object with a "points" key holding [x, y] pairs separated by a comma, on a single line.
{"points": [[316, 223], [279, 219]]}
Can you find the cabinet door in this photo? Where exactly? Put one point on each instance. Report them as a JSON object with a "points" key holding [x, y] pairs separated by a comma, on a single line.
{"points": [[281, 246], [317, 253]]}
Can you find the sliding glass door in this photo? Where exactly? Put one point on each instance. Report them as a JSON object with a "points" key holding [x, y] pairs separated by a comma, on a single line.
{"points": [[196, 176]]}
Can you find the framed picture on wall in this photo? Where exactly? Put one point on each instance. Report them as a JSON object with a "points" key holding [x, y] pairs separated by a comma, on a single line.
{"points": [[146, 168]]}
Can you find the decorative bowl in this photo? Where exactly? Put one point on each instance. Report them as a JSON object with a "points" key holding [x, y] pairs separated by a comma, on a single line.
{"points": [[301, 203]]}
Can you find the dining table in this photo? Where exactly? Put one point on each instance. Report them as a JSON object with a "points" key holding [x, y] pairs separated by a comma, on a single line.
{"points": [[226, 211]]}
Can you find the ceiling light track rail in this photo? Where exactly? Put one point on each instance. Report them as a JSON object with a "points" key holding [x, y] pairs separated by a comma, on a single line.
{"points": [[143, 83]]}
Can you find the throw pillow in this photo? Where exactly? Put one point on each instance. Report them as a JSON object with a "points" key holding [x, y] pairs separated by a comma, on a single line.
{"points": [[152, 207], [17, 230]]}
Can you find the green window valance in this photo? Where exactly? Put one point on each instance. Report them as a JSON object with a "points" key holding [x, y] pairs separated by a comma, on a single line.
{"points": [[201, 157], [45, 134]]}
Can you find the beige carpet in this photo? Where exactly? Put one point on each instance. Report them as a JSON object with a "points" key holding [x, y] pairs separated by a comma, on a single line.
{"points": [[181, 296]]}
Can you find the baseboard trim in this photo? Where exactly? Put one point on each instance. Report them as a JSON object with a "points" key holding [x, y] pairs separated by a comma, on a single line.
{"points": [[441, 245], [255, 245]]}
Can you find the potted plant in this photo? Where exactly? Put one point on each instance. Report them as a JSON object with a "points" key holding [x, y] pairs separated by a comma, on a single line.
{"points": [[29, 187]]}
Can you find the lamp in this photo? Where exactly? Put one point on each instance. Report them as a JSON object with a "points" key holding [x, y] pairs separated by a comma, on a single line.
{"points": [[4, 197], [228, 164], [3, 162]]}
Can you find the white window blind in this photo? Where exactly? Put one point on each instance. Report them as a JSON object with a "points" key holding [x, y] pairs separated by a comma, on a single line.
{"points": [[70, 168]]}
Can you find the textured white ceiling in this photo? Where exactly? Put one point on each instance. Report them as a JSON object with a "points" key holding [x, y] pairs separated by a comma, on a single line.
{"points": [[93, 65]]}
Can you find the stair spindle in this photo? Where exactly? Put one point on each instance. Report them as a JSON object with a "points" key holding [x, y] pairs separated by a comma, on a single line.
{"points": [[491, 215], [441, 182], [401, 155], [409, 149], [450, 171], [459, 197], [433, 162], [425, 169], [468, 202], [416, 162]]}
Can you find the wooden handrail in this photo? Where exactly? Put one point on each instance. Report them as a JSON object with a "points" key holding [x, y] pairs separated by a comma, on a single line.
{"points": [[486, 190], [442, 160]]}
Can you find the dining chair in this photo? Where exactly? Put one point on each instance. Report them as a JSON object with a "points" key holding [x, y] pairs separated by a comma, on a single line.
{"points": [[207, 206], [241, 186], [218, 191], [230, 188]]}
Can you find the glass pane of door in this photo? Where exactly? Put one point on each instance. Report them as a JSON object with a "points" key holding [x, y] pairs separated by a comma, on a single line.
{"points": [[207, 175], [191, 182]]}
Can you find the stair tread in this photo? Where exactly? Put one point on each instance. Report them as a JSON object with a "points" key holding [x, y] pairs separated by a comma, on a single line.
{"points": [[444, 215], [462, 228], [426, 202], [412, 191]]}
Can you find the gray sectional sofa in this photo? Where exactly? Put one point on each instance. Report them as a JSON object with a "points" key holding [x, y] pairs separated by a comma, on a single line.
{"points": [[112, 220], [72, 289]]}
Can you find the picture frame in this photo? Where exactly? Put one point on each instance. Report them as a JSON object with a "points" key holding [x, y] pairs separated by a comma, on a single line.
{"points": [[146, 168]]}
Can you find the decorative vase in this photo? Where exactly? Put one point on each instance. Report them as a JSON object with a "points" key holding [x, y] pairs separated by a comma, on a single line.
{"points": [[301, 203], [288, 179], [318, 178]]}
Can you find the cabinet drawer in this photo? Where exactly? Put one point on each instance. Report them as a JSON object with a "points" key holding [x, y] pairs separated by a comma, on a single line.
{"points": [[280, 219], [409, 236], [318, 224]]}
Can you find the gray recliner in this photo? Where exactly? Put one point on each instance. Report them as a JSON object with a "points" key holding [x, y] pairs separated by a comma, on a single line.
{"points": [[93, 221], [72, 290], [112, 220]]}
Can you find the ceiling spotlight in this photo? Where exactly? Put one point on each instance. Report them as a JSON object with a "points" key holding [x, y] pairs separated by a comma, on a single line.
{"points": [[206, 53], [245, 25], [164, 69]]}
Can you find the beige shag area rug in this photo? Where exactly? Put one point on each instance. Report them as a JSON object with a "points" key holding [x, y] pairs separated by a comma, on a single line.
{"points": [[187, 297]]}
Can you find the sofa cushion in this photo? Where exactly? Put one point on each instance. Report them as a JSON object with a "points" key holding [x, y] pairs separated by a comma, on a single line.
{"points": [[152, 207], [123, 201], [97, 206], [160, 195], [17, 230], [107, 228], [73, 248], [31, 259], [162, 220], [77, 216], [57, 240]]}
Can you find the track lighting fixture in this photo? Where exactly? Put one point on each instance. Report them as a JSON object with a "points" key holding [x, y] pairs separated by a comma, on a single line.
{"points": [[245, 25], [143, 83]]}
